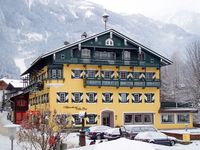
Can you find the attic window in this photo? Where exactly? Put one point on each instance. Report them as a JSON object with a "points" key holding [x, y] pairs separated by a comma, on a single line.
{"points": [[109, 42]]}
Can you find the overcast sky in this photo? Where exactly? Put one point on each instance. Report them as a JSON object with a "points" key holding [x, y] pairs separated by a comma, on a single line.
{"points": [[151, 8]]}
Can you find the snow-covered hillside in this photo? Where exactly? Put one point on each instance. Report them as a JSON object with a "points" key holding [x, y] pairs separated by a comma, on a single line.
{"points": [[32, 27]]}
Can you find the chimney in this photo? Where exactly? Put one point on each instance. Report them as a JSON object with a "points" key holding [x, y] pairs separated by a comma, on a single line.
{"points": [[66, 42], [84, 35]]}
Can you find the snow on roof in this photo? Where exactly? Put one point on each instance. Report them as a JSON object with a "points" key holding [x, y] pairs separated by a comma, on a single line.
{"points": [[15, 83]]}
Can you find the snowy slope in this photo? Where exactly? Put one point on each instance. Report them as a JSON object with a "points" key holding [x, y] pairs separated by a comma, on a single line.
{"points": [[30, 28]]}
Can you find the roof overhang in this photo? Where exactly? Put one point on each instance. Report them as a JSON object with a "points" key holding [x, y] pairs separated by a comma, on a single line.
{"points": [[178, 110]]}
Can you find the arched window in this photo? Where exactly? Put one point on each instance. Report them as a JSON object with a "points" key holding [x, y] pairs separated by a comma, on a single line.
{"points": [[109, 42]]}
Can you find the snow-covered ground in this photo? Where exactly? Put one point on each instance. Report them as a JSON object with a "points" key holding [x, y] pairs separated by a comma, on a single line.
{"points": [[181, 131], [72, 141]]}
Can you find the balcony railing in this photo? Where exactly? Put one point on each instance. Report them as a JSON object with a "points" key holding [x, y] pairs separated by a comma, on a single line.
{"points": [[121, 83], [106, 62], [175, 105], [34, 86]]}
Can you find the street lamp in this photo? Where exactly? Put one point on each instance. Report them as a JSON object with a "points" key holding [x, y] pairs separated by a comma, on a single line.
{"points": [[82, 115], [11, 132], [105, 18]]}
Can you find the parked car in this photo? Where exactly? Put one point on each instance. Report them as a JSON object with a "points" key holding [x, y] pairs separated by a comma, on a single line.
{"points": [[130, 131], [112, 134], [97, 132], [156, 138]]}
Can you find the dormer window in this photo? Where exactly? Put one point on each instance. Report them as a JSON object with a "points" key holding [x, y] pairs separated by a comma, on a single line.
{"points": [[85, 53], [109, 42]]}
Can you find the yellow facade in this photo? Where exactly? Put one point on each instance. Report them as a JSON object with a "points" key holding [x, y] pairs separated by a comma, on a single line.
{"points": [[70, 85], [130, 95]]}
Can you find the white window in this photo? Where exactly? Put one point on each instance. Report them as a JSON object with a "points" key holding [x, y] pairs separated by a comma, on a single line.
{"points": [[134, 118], [53, 73], [62, 96], [91, 119], [77, 97], [183, 118], [149, 98], [77, 73], [107, 74], [91, 73], [85, 53], [123, 97], [127, 55], [136, 98], [149, 75], [128, 119], [107, 97], [123, 75], [76, 119], [138, 118], [148, 118], [167, 118], [91, 97], [109, 42]]}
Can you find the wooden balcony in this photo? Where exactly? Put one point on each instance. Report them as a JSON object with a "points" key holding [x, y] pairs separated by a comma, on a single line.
{"points": [[34, 86], [117, 62], [121, 83]]}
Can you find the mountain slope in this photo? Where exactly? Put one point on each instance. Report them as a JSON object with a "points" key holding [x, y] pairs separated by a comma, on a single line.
{"points": [[32, 27]]}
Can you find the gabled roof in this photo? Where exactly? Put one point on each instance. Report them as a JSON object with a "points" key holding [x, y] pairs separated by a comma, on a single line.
{"points": [[15, 83], [163, 59]]}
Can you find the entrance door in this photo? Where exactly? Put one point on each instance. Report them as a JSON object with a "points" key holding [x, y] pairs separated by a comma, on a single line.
{"points": [[107, 118]]}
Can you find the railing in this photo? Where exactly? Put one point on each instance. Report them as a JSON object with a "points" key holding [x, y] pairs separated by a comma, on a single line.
{"points": [[97, 61], [121, 83], [175, 105], [38, 85]]}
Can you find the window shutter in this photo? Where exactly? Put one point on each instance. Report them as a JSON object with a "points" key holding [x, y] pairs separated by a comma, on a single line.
{"points": [[154, 76], [130, 75], [112, 74], [153, 97], [73, 98], [81, 96], [72, 74], [142, 76], [58, 97], [111, 97]]}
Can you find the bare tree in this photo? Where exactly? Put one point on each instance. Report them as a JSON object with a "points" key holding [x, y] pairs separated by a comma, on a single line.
{"points": [[193, 75], [38, 130]]}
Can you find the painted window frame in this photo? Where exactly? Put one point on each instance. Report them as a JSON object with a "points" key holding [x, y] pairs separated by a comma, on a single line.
{"points": [[167, 114], [149, 97], [79, 97], [127, 55], [123, 99], [180, 122], [142, 118], [136, 95], [92, 120], [123, 75], [91, 74], [107, 74], [85, 53]]}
